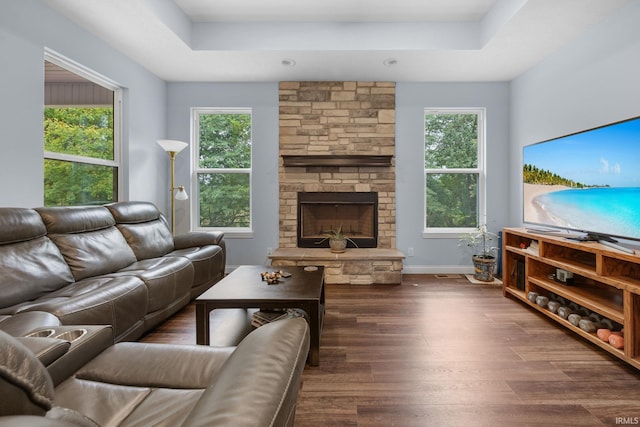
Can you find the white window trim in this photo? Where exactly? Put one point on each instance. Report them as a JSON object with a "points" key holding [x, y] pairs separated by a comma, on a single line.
{"points": [[454, 233], [76, 68], [230, 232]]}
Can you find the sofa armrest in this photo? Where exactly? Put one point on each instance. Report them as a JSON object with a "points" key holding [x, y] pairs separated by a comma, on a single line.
{"points": [[174, 366], [47, 350], [22, 323], [259, 383], [198, 238]]}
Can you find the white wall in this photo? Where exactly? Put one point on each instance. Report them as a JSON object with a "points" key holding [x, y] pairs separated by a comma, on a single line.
{"points": [[442, 255], [591, 82], [26, 29], [431, 255], [262, 98]]}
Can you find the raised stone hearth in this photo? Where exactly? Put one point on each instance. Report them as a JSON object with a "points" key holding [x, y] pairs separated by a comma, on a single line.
{"points": [[355, 266]]}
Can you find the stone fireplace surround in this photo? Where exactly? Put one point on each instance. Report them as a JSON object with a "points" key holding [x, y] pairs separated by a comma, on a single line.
{"points": [[341, 136], [355, 214]]}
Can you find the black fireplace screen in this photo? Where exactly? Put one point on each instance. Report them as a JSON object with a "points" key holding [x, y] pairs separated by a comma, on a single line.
{"points": [[356, 213]]}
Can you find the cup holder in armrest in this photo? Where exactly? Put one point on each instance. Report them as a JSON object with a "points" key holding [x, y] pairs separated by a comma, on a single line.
{"points": [[72, 335], [43, 333], [85, 343]]}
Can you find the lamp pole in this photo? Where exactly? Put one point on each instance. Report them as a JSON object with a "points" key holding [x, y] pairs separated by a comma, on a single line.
{"points": [[172, 148], [172, 160]]}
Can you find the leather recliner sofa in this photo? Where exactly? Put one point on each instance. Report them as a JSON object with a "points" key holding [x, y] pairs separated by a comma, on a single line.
{"points": [[116, 265], [136, 384]]}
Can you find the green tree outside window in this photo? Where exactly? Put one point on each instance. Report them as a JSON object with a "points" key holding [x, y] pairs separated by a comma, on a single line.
{"points": [[85, 132], [451, 170], [224, 169]]}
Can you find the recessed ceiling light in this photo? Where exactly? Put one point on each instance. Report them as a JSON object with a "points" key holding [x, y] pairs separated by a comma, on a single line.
{"points": [[390, 62], [288, 62]]}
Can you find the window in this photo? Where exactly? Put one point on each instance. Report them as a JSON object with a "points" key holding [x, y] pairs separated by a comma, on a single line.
{"points": [[453, 169], [81, 139], [222, 169]]}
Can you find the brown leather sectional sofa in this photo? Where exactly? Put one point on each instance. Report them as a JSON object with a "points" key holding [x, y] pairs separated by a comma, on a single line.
{"points": [[75, 279], [90, 382], [114, 265]]}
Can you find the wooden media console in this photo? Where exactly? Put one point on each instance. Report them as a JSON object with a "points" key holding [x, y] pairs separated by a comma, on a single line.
{"points": [[605, 283]]}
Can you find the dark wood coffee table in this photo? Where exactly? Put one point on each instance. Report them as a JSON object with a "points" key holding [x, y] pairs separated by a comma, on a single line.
{"points": [[244, 288]]}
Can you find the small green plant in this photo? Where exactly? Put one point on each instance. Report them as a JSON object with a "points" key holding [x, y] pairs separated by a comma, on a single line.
{"points": [[336, 234], [482, 241]]}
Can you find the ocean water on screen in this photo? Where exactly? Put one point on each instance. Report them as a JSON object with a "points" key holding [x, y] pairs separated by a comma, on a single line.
{"points": [[614, 211]]}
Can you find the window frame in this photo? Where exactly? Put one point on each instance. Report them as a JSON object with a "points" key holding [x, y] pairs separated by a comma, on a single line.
{"points": [[92, 76], [196, 112], [480, 170]]}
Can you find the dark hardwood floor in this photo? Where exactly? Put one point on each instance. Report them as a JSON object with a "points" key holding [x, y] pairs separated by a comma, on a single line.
{"points": [[445, 352]]}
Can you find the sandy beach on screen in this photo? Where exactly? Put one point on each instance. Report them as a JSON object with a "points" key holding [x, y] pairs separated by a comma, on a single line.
{"points": [[534, 212]]}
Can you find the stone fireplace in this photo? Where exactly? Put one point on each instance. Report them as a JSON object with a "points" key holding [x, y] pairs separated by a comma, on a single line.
{"points": [[339, 137], [355, 214]]}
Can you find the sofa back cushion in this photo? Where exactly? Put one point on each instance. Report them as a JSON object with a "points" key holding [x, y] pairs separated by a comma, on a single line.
{"points": [[30, 263], [144, 228], [19, 225], [88, 239], [31, 269]]}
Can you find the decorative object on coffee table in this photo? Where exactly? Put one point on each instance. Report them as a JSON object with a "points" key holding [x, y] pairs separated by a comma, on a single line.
{"points": [[271, 278]]}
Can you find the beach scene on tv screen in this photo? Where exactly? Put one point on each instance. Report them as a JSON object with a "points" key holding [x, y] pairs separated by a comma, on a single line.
{"points": [[588, 181]]}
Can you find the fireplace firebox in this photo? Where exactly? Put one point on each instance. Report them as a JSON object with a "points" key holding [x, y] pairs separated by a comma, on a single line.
{"points": [[356, 213]]}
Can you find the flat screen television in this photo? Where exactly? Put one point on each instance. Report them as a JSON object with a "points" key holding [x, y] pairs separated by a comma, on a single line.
{"points": [[587, 182]]}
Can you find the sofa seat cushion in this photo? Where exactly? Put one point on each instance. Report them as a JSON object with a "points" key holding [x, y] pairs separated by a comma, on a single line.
{"points": [[127, 406], [104, 300], [208, 265], [180, 375], [167, 279]]}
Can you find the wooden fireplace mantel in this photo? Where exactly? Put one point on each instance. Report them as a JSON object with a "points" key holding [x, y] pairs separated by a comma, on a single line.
{"points": [[336, 160]]}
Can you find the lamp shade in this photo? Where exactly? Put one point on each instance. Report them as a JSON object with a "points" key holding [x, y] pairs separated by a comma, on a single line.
{"points": [[171, 145], [181, 194]]}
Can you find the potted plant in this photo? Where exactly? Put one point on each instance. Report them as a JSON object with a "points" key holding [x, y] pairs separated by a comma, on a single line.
{"points": [[337, 240], [482, 242]]}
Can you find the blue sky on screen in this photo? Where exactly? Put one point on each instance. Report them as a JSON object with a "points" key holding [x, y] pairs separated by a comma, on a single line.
{"points": [[609, 155]]}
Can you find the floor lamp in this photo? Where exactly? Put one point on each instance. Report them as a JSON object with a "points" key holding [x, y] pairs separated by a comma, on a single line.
{"points": [[172, 148]]}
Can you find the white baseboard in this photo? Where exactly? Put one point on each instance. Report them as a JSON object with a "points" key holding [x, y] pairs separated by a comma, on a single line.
{"points": [[412, 269], [437, 269]]}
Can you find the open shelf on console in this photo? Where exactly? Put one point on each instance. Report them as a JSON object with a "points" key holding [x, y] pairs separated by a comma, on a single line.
{"points": [[599, 299], [605, 281]]}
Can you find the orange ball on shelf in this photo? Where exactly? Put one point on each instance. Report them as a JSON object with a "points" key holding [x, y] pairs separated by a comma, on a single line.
{"points": [[616, 341], [604, 334]]}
